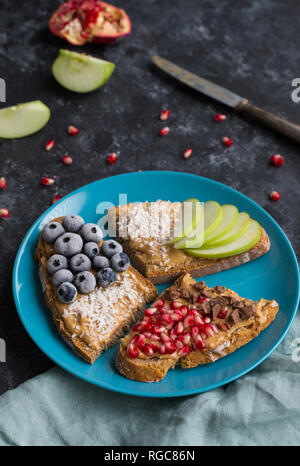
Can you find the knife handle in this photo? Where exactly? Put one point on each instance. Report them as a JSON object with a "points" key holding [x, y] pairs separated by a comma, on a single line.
{"points": [[289, 129]]}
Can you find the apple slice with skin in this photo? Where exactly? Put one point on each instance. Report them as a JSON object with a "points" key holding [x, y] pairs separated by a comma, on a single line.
{"points": [[78, 72], [189, 218], [238, 230], [213, 214], [230, 217], [23, 119], [242, 244]]}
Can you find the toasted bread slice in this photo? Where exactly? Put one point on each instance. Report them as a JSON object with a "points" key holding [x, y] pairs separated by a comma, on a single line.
{"points": [[159, 261], [209, 324], [96, 321]]}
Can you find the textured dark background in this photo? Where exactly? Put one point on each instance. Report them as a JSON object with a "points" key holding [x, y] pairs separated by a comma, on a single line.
{"points": [[251, 47]]}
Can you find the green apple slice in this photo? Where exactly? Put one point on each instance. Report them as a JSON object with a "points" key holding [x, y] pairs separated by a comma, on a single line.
{"points": [[23, 119], [191, 214], [244, 243], [213, 214], [78, 72], [230, 217], [238, 230]]}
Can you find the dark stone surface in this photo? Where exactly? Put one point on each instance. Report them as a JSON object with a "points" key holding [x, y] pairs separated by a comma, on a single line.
{"points": [[252, 48]]}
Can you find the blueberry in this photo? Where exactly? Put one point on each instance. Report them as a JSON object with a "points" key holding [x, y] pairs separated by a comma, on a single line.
{"points": [[80, 263], [52, 231], [120, 262], [91, 249], [68, 244], [85, 282], [66, 292], [91, 232], [72, 223], [110, 247], [100, 262], [62, 276], [106, 277], [56, 262]]}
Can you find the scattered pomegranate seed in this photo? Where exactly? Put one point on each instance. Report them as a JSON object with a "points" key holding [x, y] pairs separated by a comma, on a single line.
{"points": [[4, 213], [277, 160], [164, 131], [150, 311], [227, 141], [132, 352], [170, 347], [66, 160], [164, 114], [201, 299], [50, 144], [159, 303], [3, 183], [274, 195], [184, 351], [47, 181], [56, 197], [112, 158], [148, 350], [220, 117], [174, 305], [72, 130], [187, 153], [222, 314]]}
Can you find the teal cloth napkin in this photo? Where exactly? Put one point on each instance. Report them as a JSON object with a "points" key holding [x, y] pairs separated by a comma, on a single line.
{"points": [[261, 408]]}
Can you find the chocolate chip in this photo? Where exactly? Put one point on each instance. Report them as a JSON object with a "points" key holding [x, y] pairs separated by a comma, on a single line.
{"points": [[235, 316], [199, 285], [174, 294], [206, 307], [215, 310], [248, 311], [186, 294], [219, 289]]}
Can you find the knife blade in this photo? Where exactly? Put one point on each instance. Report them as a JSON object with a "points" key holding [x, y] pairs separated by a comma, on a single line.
{"points": [[235, 101]]}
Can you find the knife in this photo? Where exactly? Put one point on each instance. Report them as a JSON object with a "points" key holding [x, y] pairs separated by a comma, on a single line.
{"points": [[235, 101]]}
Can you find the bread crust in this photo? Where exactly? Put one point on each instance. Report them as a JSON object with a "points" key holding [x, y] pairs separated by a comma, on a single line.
{"points": [[76, 343], [155, 369], [200, 266]]}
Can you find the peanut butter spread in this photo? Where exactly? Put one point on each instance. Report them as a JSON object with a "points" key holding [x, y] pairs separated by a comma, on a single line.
{"points": [[95, 316], [146, 229]]}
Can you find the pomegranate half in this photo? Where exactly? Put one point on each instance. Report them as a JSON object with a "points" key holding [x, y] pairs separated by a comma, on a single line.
{"points": [[81, 21]]}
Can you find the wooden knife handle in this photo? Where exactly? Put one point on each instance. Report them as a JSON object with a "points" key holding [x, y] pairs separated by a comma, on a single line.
{"points": [[289, 129]]}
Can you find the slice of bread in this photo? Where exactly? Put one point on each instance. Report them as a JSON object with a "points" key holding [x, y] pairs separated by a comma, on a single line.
{"points": [[96, 321], [196, 340], [159, 261]]}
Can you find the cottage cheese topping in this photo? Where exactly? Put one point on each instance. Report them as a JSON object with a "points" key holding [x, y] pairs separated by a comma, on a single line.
{"points": [[95, 316]]}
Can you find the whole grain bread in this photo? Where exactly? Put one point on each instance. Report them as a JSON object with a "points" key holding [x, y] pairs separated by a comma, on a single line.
{"points": [[147, 292], [164, 272], [153, 369]]}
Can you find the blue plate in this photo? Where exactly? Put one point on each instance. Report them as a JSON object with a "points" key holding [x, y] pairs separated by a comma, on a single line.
{"points": [[273, 276]]}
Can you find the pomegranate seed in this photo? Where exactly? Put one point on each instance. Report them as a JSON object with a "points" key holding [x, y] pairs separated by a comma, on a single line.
{"points": [[50, 144], [188, 321], [147, 334], [222, 314], [201, 299], [154, 346], [150, 311], [179, 328], [277, 160], [3, 183], [194, 331], [176, 317], [199, 320], [183, 309], [164, 131], [187, 153], [56, 197], [47, 181], [174, 305], [184, 351], [166, 319], [203, 335], [227, 141], [155, 337], [199, 343], [141, 341], [134, 340], [159, 303], [220, 117], [66, 160], [170, 347], [208, 330], [186, 338], [159, 328], [178, 344], [207, 320], [112, 158], [215, 328], [274, 195], [193, 312], [148, 350], [72, 130], [173, 334], [132, 352], [164, 337], [164, 114], [162, 349], [4, 213]]}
